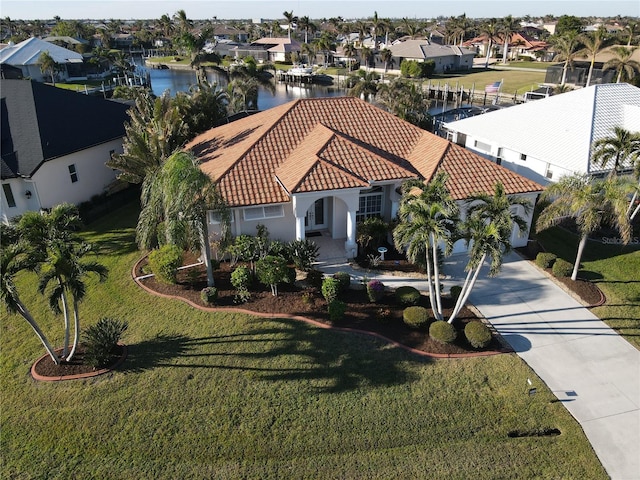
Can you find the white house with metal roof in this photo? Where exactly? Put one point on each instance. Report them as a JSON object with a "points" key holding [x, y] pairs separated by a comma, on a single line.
{"points": [[26, 56], [552, 137]]}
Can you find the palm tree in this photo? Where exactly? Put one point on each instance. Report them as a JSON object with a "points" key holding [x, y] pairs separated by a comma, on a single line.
{"points": [[592, 203], [309, 50], [165, 25], [622, 147], [592, 46], [406, 100], [48, 65], [487, 230], [350, 52], [365, 84], [622, 62], [291, 18], [428, 216], [14, 258], [386, 56], [566, 47], [366, 54], [507, 27], [305, 24], [243, 94], [632, 28], [376, 28], [490, 30], [184, 24]]}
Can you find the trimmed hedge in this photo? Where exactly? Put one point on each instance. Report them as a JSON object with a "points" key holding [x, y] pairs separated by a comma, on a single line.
{"points": [[330, 289], [561, 268], [545, 260], [442, 332], [344, 280], [209, 295], [315, 278], [415, 316], [455, 292], [336, 310], [164, 263], [478, 334], [407, 295]]}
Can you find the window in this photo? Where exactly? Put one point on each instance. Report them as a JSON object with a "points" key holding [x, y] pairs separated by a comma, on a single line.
{"points": [[216, 219], [523, 157], [482, 146], [8, 194], [260, 213], [73, 173], [370, 204]]}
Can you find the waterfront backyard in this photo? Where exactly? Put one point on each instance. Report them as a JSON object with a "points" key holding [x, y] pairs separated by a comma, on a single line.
{"points": [[220, 395]]}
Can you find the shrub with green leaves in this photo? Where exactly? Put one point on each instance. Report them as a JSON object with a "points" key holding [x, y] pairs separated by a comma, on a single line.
{"points": [[164, 263], [336, 310], [330, 289], [371, 232], [478, 334], [209, 295], [272, 270], [407, 295], [545, 259], [101, 339], [455, 292], [303, 253], [241, 281], [344, 280], [561, 268], [375, 290], [279, 249], [415, 316], [442, 331], [314, 279], [291, 275]]}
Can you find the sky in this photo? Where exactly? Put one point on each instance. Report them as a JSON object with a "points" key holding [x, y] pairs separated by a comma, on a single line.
{"points": [[315, 9]]}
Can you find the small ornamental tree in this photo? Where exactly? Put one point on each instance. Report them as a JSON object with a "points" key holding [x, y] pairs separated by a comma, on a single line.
{"points": [[241, 279], [272, 270]]}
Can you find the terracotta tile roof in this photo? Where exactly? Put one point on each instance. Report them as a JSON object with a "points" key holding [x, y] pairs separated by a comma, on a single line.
{"points": [[324, 144], [470, 173]]}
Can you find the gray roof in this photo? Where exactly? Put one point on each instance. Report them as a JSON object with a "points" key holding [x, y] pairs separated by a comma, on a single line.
{"points": [[29, 51], [559, 129], [40, 122], [423, 49]]}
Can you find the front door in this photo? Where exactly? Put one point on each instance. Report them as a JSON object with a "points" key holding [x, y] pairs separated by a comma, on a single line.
{"points": [[316, 218]]}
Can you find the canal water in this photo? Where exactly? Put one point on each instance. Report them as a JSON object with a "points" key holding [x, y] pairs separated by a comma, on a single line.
{"points": [[180, 81]]}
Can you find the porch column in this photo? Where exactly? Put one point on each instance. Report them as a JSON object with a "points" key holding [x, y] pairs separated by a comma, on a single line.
{"points": [[300, 234], [350, 245]]}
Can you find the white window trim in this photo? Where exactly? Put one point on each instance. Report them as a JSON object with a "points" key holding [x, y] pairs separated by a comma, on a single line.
{"points": [[363, 215], [265, 213], [214, 219]]}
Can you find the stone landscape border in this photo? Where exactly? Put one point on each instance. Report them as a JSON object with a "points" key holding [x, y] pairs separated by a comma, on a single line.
{"points": [[78, 376]]}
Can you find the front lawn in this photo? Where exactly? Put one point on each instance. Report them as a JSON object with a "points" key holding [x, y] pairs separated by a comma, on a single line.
{"points": [[513, 80], [614, 269], [213, 395]]}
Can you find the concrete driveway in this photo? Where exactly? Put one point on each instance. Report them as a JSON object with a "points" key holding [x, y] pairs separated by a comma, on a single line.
{"points": [[591, 369]]}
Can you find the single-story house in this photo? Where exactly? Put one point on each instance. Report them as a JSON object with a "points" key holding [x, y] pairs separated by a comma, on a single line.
{"points": [[520, 45], [269, 49], [54, 145], [323, 164], [551, 137], [446, 57], [26, 56]]}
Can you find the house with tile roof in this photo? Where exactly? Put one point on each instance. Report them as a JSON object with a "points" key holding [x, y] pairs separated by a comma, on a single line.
{"points": [[551, 137], [324, 164], [26, 56], [54, 145], [268, 49], [445, 57]]}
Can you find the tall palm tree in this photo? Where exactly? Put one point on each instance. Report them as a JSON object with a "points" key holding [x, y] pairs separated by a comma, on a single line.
{"points": [[406, 100], [592, 45], [14, 258], [622, 147], [632, 28], [184, 24], [165, 25], [428, 216], [376, 28], [386, 56], [291, 18], [592, 203], [490, 30], [309, 51], [304, 23], [623, 63], [365, 84], [48, 65], [487, 230], [507, 27], [566, 47], [350, 52], [366, 54]]}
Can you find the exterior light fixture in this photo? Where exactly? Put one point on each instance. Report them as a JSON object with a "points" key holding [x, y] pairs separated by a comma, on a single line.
{"points": [[27, 194]]}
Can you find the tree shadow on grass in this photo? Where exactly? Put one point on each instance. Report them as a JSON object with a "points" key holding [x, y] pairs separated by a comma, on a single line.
{"points": [[286, 350]]}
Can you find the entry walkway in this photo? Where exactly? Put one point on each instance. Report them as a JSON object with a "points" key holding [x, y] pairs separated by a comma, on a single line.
{"points": [[590, 369]]}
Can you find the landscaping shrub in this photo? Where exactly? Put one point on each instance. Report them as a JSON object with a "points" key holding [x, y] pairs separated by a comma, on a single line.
{"points": [[100, 340], [407, 295], [561, 268], [279, 249], [415, 316], [545, 260], [314, 279], [336, 310], [303, 253], [415, 69], [455, 292], [442, 332], [291, 275], [209, 295], [478, 334], [383, 315], [330, 289], [164, 263], [241, 280], [371, 230], [344, 280], [272, 270], [375, 290]]}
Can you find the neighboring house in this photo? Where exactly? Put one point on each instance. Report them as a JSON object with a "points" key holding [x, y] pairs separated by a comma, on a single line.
{"points": [[446, 57], [226, 32], [269, 49], [54, 145], [520, 45], [26, 56], [551, 137], [322, 165]]}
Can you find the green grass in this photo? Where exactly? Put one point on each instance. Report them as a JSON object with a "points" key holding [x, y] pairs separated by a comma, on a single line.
{"points": [[614, 269], [514, 80], [529, 64], [218, 395]]}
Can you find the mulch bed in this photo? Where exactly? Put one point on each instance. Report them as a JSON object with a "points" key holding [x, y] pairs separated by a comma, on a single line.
{"points": [[384, 317], [76, 366]]}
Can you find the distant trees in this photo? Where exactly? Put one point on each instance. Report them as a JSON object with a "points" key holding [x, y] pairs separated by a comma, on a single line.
{"points": [[569, 24]]}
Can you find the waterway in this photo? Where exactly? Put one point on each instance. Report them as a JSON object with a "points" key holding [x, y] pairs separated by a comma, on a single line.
{"points": [[180, 80]]}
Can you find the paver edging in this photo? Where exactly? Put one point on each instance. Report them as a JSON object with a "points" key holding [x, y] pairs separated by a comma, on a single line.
{"points": [[311, 322], [78, 376]]}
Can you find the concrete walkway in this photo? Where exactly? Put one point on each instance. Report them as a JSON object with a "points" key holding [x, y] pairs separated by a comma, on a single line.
{"points": [[591, 370]]}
